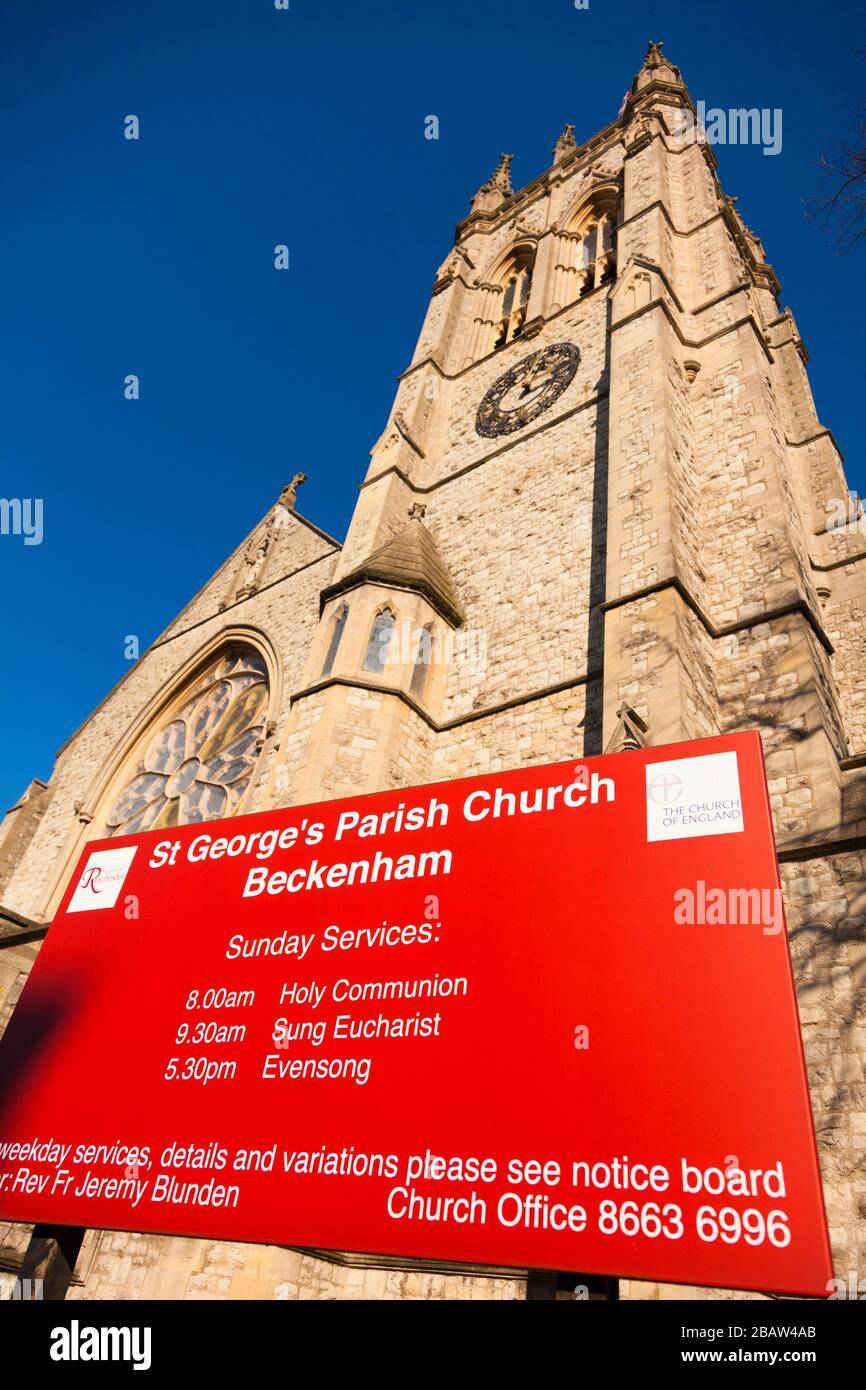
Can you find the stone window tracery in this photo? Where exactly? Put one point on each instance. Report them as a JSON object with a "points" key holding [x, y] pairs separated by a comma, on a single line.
{"points": [[586, 250], [198, 764], [501, 303]]}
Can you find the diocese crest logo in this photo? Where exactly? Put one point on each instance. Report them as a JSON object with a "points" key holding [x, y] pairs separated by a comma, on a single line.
{"points": [[101, 879]]}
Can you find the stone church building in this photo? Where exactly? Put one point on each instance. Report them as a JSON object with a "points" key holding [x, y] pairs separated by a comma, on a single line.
{"points": [[603, 513]]}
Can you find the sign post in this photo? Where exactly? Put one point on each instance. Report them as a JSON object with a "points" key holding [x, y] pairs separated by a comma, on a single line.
{"points": [[542, 1018]]}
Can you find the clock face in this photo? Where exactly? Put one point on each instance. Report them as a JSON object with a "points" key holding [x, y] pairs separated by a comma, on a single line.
{"points": [[530, 387]]}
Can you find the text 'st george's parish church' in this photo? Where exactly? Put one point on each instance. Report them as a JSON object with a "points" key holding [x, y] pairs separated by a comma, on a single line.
{"points": [[600, 516]]}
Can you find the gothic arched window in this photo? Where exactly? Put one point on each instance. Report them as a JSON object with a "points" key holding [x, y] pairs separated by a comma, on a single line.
{"points": [[516, 280], [336, 634], [379, 644], [197, 765], [423, 661], [596, 258]]}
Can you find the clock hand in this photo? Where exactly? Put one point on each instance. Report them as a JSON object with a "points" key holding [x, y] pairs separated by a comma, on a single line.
{"points": [[534, 381], [529, 376]]}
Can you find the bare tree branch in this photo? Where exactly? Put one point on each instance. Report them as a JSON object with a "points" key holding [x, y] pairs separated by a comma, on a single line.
{"points": [[841, 200]]}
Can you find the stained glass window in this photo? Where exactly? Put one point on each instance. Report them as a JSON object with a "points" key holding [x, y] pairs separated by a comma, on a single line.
{"points": [[197, 765]]}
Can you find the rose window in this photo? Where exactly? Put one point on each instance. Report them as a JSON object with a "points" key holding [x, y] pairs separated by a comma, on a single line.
{"points": [[198, 766]]}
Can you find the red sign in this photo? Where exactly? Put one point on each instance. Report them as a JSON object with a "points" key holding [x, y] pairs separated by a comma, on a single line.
{"points": [[540, 1018]]}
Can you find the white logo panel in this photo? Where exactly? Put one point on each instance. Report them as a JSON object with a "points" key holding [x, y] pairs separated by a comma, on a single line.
{"points": [[693, 796], [102, 879]]}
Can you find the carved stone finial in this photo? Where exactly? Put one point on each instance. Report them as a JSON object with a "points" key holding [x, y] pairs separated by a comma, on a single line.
{"points": [[656, 67], [417, 511], [501, 179], [497, 188], [289, 494], [630, 731], [565, 144]]}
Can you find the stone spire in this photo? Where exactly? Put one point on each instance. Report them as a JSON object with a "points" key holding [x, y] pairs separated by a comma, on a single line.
{"points": [[655, 68], [501, 177], [497, 188], [565, 144], [409, 560]]}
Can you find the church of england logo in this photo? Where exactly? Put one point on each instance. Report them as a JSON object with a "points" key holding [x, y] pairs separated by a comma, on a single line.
{"points": [[693, 796], [101, 879]]}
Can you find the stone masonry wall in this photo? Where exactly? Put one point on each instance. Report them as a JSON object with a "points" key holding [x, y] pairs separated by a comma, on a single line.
{"points": [[18, 829]]}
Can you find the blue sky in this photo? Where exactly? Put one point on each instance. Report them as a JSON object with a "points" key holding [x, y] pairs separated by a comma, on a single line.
{"points": [[306, 128]]}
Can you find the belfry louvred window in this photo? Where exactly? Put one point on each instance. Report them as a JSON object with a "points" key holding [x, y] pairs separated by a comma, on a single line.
{"points": [[198, 762], [597, 256], [517, 283]]}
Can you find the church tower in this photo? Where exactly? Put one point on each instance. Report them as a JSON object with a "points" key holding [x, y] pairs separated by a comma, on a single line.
{"points": [[603, 514]]}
